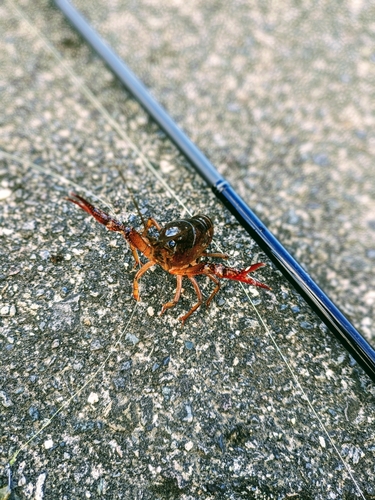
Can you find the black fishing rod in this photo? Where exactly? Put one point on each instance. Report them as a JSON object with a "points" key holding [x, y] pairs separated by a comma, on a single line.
{"points": [[327, 311]]}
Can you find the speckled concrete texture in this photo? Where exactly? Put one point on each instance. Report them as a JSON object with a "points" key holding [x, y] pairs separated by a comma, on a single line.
{"points": [[102, 398]]}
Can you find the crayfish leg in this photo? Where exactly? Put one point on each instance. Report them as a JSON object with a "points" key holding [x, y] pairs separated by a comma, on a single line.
{"points": [[195, 306], [135, 255], [217, 288], [176, 298], [151, 222], [137, 277]]}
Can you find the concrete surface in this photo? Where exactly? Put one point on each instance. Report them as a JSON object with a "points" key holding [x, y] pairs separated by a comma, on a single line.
{"points": [[241, 402]]}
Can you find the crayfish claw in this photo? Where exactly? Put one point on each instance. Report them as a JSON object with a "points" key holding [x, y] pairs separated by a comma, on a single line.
{"points": [[254, 267], [234, 274]]}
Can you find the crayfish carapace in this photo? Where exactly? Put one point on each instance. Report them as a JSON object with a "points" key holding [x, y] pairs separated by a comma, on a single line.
{"points": [[178, 249]]}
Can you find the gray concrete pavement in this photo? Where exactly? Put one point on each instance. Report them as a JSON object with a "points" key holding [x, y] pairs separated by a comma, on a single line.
{"points": [[281, 99]]}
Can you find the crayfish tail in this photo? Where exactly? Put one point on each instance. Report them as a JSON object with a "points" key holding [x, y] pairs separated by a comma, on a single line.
{"points": [[108, 221]]}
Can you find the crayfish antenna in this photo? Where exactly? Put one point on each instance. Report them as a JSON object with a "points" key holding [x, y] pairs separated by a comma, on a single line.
{"points": [[131, 195], [105, 219]]}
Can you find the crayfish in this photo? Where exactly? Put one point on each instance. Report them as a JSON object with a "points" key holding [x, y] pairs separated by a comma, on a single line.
{"points": [[178, 248]]}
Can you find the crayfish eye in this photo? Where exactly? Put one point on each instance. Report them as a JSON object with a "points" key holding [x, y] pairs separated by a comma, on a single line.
{"points": [[171, 243]]}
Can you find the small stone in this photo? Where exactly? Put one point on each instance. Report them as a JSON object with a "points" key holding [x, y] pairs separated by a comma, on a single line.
{"points": [[341, 359], [64, 133], [352, 361], [166, 360], [189, 414], [306, 325], [96, 345], [93, 398], [4, 310], [166, 167], [322, 441], [34, 413], [21, 481], [5, 193], [45, 254], [48, 444], [38, 495], [150, 311], [127, 365], [189, 445], [357, 454], [14, 271], [55, 344], [6, 401], [166, 392], [29, 226], [132, 338]]}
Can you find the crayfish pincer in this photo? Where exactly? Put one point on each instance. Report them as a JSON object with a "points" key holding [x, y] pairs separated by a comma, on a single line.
{"points": [[178, 249]]}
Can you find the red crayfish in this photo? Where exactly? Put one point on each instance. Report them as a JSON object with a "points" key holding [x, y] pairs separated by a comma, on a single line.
{"points": [[177, 249]]}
